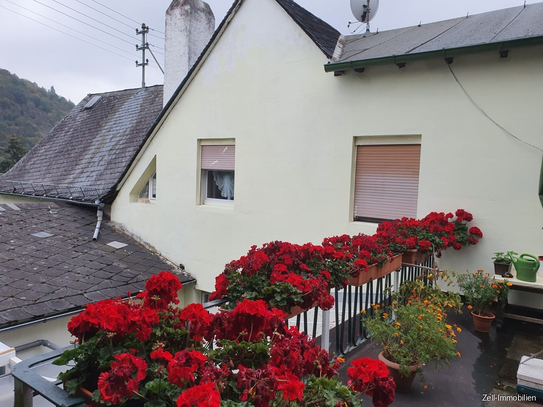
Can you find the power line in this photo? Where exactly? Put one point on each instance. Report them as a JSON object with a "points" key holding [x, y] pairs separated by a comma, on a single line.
{"points": [[154, 46], [128, 18], [63, 25], [486, 114], [101, 12], [56, 29], [83, 22], [91, 18], [110, 9]]}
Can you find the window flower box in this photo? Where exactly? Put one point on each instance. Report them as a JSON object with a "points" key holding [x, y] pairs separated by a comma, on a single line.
{"points": [[415, 256], [374, 271]]}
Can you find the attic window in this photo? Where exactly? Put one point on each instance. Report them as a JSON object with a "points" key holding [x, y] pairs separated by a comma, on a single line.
{"points": [[92, 102], [148, 192]]}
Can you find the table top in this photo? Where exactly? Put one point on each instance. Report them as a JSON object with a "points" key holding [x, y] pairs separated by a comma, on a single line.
{"points": [[538, 284]]}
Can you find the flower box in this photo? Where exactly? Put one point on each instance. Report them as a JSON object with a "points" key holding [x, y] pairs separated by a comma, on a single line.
{"points": [[295, 310], [363, 278], [374, 271], [387, 268], [415, 256]]}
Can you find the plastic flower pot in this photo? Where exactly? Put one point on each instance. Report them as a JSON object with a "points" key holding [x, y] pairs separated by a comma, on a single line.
{"points": [[483, 322], [403, 383]]}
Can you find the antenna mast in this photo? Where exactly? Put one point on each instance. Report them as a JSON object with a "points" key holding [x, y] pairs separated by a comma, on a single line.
{"points": [[368, 10], [144, 45]]}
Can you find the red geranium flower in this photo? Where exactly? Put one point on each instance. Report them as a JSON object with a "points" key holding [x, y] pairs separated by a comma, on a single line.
{"points": [[203, 395], [291, 386], [161, 291], [123, 379]]}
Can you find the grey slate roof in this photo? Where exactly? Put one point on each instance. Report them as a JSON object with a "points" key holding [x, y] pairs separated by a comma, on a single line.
{"points": [[323, 35], [50, 265], [84, 156], [497, 28]]}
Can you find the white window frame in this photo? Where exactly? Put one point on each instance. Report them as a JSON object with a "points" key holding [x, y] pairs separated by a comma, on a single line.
{"points": [[204, 175], [377, 140], [152, 185]]}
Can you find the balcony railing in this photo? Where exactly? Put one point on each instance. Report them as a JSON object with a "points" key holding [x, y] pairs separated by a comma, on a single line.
{"points": [[344, 333]]}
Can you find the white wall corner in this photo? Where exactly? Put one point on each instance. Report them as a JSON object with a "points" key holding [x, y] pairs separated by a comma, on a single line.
{"points": [[189, 26]]}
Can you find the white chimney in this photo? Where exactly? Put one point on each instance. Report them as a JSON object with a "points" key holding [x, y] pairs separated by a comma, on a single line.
{"points": [[189, 26]]}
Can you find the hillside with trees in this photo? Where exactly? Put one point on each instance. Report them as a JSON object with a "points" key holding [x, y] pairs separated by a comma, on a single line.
{"points": [[27, 113]]}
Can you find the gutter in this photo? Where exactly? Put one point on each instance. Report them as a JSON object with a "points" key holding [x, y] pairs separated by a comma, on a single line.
{"points": [[42, 197], [501, 47]]}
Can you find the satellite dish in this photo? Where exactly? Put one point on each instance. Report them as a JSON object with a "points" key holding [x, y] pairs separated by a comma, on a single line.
{"points": [[359, 9]]}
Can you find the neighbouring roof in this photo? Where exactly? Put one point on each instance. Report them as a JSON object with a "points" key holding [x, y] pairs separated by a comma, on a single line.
{"points": [[49, 264], [323, 34], [498, 30], [84, 156]]}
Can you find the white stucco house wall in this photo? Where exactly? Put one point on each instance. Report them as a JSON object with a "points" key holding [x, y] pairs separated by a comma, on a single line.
{"points": [[291, 132]]}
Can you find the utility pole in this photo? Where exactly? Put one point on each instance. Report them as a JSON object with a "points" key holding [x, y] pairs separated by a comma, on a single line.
{"points": [[144, 45]]}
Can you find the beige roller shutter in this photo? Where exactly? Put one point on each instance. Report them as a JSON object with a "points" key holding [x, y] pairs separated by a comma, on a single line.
{"points": [[218, 157], [386, 181]]}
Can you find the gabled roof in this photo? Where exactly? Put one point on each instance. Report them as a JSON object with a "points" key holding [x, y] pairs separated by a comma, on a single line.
{"points": [[498, 31], [84, 156], [323, 34], [49, 264]]}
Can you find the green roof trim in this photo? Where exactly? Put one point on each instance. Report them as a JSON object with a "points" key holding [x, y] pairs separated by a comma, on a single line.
{"points": [[443, 53]]}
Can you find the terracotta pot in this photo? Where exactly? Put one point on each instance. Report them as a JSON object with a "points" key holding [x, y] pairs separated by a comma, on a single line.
{"points": [[482, 322], [363, 278], [403, 383], [415, 256], [297, 310], [86, 395], [375, 272]]}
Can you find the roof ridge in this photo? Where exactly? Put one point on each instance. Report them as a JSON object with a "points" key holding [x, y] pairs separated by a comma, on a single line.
{"points": [[323, 34]]}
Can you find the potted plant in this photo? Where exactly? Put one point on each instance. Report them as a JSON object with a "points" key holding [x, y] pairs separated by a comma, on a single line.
{"points": [[502, 264], [418, 335], [481, 292], [146, 353]]}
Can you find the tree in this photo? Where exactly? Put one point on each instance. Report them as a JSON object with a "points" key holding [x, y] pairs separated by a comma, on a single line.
{"points": [[14, 151]]}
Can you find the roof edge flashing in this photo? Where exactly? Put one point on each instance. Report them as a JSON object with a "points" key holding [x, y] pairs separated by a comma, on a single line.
{"points": [[437, 54]]}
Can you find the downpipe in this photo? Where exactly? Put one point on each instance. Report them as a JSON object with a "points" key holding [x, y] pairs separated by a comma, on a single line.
{"points": [[99, 215]]}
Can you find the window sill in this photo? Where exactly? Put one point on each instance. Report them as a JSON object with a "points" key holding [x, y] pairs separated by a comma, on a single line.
{"points": [[369, 220], [146, 201], [217, 203]]}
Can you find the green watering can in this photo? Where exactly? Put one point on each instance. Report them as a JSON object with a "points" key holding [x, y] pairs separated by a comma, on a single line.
{"points": [[526, 266]]}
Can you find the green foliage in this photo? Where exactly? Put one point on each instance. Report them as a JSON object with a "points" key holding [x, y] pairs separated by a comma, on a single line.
{"points": [[14, 152], [28, 111], [417, 290], [234, 353], [320, 391], [501, 257], [481, 291], [418, 334]]}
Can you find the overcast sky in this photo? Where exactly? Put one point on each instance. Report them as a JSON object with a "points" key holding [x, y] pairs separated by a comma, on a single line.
{"points": [[34, 48]]}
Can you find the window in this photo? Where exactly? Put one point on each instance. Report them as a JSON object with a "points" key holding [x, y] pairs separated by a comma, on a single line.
{"points": [[217, 165], [386, 178], [148, 192]]}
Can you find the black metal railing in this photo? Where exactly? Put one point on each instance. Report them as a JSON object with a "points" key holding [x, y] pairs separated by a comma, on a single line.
{"points": [[346, 331]]}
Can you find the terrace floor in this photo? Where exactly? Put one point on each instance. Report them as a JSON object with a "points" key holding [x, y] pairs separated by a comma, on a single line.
{"points": [[488, 365]]}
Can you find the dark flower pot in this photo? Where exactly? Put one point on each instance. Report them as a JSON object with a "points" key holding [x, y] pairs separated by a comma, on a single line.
{"points": [[501, 268]]}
